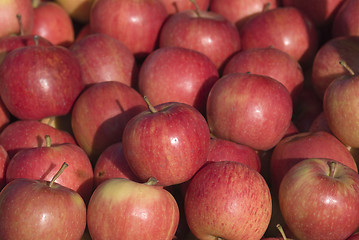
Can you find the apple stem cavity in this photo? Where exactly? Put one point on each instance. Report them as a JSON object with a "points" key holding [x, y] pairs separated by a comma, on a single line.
{"points": [[150, 106], [48, 140], [280, 228], [332, 168], [151, 181], [63, 167], [197, 7], [346, 66], [21, 32]]}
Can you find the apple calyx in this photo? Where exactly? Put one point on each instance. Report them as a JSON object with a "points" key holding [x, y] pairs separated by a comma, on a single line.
{"points": [[332, 168], [197, 10], [150, 106], [21, 32], [63, 167], [280, 228], [346, 66], [151, 181]]}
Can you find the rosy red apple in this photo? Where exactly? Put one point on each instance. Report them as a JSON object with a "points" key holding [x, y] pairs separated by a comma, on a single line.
{"points": [[177, 74], [223, 194], [345, 22], [169, 142], [250, 109], [143, 210], [319, 199], [175, 6]]}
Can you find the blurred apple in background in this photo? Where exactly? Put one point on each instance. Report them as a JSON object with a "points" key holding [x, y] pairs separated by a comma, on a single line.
{"points": [[177, 74], [203, 31], [346, 19], [52, 22], [143, 210], [271, 62], [250, 109], [79, 10], [135, 23], [104, 58], [175, 6], [101, 113], [285, 28]]}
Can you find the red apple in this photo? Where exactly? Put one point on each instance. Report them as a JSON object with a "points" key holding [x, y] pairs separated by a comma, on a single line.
{"points": [[345, 22], [175, 6], [21, 134], [223, 194], [142, 210], [271, 62], [319, 199], [169, 142], [354, 236], [285, 28], [250, 109], [52, 22], [135, 23], [4, 161], [112, 164], [101, 113], [177, 74], [300, 146], [203, 31], [48, 211], [43, 162]]}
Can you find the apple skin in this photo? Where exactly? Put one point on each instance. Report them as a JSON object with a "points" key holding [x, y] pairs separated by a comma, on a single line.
{"points": [[38, 81], [223, 194], [21, 134], [271, 62], [300, 146], [170, 144], [345, 22], [250, 109], [224, 150], [104, 58], [100, 123], [57, 212], [206, 32], [52, 22], [175, 6], [326, 65], [317, 196], [138, 23], [354, 236], [177, 74], [4, 161], [8, 12], [284, 28], [112, 164], [133, 206]]}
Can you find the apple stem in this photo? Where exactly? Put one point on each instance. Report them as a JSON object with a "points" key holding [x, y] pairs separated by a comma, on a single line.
{"points": [[150, 106], [63, 167], [151, 181], [175, 5], [36, 40], [346, 66], [196, 6], [332, 168], [280, 228], [18, 16], [266, 7], [48, 140]]}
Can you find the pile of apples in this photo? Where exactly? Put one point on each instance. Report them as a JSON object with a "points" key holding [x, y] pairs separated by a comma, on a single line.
{"points": [[179, 119]]}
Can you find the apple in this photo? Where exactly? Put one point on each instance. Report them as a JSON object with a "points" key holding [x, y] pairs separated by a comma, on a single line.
{"points": [[135, 23], [38, 81], [101, 113], [224, 150], [169, 142], [21, 134], [177, 74], [142, 210], [354, 236], [78, 10], [112, 164], [250, 109], [345, 22], [320, 124], [52, 22], [326, 65], [282, 233], [223, 194], [83, 31], [43, 162], [303, 145], [285, 28], [48, 210], [271, 62], [238, 12], [8, 12], [104, 58], [204, 31], [319, 199], [175, 6], [4, 161]]}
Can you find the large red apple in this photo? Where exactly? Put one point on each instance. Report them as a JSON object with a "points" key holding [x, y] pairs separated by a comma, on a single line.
{"points": [[285, 28], [175, 6], [345, 22], [104, 58], [227, 200], [254, 110], [319, 199], [122, 209], [135, 23], [169, 142], [177, 74]]}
